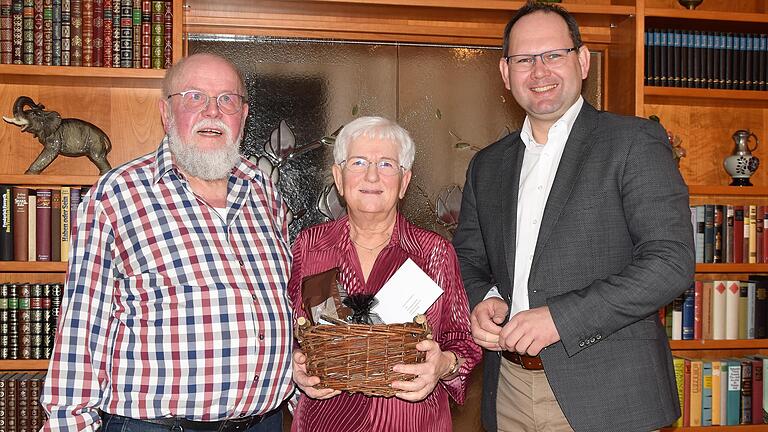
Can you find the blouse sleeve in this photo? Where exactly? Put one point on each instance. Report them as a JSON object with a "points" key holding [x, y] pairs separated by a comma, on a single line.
{"points": [[454, 332], [294, 283]]}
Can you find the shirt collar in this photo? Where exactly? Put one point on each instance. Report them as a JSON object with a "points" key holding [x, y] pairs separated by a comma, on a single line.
{"points": [[566, 121]]}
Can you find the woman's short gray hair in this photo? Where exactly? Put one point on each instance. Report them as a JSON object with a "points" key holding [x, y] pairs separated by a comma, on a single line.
{"points": [[378, 128]]}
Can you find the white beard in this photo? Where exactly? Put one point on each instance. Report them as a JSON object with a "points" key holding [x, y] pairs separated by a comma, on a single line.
{"points": [[207, 165]]}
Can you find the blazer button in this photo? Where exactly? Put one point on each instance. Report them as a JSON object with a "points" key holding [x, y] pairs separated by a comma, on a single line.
{"points": [[581, 344], [598, 337], [592, 340]]}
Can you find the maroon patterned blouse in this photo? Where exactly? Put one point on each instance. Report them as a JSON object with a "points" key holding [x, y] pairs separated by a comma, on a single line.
{"points": [[326, 246]]}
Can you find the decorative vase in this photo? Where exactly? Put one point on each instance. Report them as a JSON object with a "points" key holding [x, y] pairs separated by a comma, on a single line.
{"points": [[740, 165], [690, 4]]}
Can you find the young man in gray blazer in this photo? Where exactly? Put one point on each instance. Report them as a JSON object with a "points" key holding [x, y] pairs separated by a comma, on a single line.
{"points": [[573, 232]]}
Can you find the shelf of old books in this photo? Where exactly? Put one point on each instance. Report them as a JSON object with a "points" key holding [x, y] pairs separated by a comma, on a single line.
{"points": [[756, 427], [750, 344], [33, 266], [714, 190], [26, 365], [75, 76]]}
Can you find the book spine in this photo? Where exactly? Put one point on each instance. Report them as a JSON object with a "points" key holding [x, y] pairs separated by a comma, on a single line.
{"points": [[688, 314], [743, 310], [751, 288], [65, 223], [168, 35], [700, 224], [745, 416], [56, 32], [761, 310], [11, 406], [55, 232], [146, 34], [136, 26], [87, 29], [753, 234], [98, 33], [706, 393], [66, 32], [718, 234], [716, 392], [734, 393], [738, 234], [6, 227], [679, 367], [22, 402], [32, 226], [36, 322], [707, 288], [696, 389], [28, 35], [757, 391], [677, 317], [20, 221], [729, 234], [38, 32], [6, 32], [698, 309], [732, 310], [47, 16], [43, 232], [25, 319], [108, 33], [126, 33], [13, 322], [76, 31]]}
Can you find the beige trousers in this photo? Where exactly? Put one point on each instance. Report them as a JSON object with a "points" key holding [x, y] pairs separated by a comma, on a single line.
{"points": [[525, 402]]}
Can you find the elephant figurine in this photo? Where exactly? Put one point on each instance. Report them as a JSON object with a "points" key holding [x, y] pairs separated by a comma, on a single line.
{"points": [[69, 137]]}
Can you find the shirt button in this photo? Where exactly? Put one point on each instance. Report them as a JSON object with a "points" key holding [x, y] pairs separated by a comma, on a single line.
{"points": [[242, 264], [256, 378], [253, 296], [535, 221], [261, 336], [539, 187]]}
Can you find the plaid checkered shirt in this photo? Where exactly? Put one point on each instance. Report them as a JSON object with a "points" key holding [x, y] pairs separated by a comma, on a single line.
{"points": [[172, 308]]}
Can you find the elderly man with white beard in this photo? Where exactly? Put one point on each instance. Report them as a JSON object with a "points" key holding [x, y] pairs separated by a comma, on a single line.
{"points": [[175, 314]]}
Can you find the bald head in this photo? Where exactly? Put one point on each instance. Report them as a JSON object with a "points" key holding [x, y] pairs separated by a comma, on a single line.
{"points": [[202, 60]]}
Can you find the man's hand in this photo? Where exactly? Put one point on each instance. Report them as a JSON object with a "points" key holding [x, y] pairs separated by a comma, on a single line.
{"points": [[436, 364], [305, 382], [485, 322], [528, 332]]}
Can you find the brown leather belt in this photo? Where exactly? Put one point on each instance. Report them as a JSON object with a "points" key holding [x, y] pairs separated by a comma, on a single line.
{"points": [[525, 361]]}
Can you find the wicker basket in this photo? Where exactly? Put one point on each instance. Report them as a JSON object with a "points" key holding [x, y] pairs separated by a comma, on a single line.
{"points": [[359, 358]]}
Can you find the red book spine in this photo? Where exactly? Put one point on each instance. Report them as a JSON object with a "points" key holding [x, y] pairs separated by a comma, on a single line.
{"points": [[76, 33], [738, 234], [87, 12], [20, 223], [108, 29], [98, 33], [43, 229]]}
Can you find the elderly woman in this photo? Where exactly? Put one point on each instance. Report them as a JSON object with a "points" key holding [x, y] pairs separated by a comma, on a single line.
{"points": [[373, 158]]}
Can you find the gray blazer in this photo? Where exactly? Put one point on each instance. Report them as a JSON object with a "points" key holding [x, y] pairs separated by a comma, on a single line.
{"points": [[615, 245]]}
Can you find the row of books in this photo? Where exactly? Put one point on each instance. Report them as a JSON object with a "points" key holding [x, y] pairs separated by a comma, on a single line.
{"points": [[721, 392], [730, 233], [29, 314], [706, 59], [100, 33], [719, 310], [36, 223], [20, 409]]}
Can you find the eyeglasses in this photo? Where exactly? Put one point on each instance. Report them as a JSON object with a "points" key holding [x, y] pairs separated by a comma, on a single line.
{"points": [[196, 101], [385, 166], [525, 62]]}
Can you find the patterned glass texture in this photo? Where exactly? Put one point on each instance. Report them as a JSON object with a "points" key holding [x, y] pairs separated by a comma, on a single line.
{"points": [[451, 100]]}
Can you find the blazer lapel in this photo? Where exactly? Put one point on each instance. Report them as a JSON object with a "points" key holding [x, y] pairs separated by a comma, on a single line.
{"points": [[510, 181], [574, 155]]}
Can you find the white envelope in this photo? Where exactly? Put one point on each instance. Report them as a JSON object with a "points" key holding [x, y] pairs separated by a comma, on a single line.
{"points": [[409, 292]]}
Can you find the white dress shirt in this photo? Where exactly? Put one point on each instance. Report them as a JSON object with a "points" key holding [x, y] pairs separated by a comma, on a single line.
{"points": [[537, 174]]}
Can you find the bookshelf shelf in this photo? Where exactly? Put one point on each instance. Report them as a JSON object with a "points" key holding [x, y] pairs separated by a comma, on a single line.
{"points": [[707, 15], [25, 365], [75, 76], [718, 344], [727, 190], [706, 97], [757, 427], [731, 268], [47, 180], [33, 267]]}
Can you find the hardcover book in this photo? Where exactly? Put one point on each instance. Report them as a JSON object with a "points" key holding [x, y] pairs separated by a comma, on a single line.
{"points": [[6, 225], [43, 230], [21, 222]]}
